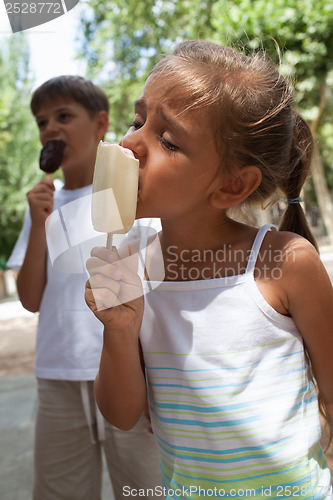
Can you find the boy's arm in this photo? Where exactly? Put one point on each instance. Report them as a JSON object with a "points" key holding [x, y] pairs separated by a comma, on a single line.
{"points": [[309, 295], [31, 279], [114, 294]]}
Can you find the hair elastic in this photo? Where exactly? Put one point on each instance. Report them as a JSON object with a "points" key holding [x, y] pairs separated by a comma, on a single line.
{"points": [[292, 201]]}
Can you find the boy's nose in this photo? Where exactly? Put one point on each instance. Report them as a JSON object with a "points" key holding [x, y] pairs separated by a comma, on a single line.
{"points": [[52, 130]]}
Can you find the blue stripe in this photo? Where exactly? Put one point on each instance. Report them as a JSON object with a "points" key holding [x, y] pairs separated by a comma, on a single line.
{"points": [[192, 388], [199, 409], [276, 488], [199, 388], [183, 370], [224, 452], [249, 405], [305, 401], [280, 375], [227, 423], [249, 477], [219, 460]]}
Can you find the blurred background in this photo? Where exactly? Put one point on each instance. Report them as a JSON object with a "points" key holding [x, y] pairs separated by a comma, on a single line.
{"points": [[115, 43]]}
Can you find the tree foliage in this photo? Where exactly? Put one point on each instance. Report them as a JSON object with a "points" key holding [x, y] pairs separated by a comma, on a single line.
{"points": [[123, 39], [299, 35], [18, 140]]}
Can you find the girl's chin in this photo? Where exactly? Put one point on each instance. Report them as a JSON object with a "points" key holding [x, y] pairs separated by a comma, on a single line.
{"points": [[143, 211]]}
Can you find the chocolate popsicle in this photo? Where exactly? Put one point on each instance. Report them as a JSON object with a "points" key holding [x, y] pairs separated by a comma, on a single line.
{"points": [[51, 155]]}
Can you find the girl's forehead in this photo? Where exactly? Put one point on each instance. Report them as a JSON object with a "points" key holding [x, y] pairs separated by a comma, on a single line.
{"points": [[164, 89], [165, 83], [165, 100]]}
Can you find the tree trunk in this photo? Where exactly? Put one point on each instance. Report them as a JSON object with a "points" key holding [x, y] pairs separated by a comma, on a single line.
{"points": [[323, 195], [318, 173]]}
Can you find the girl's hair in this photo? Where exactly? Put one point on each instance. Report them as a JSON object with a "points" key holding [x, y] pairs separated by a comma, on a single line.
{"points": [[251, 108], [70, 88]]}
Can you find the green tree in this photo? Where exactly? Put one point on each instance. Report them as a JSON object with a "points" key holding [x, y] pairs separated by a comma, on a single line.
{"points": [[302, 31], [122, 40], [18, 140]]}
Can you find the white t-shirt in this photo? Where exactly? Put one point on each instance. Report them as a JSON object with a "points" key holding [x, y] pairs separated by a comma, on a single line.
{"points": [[69, 336]]}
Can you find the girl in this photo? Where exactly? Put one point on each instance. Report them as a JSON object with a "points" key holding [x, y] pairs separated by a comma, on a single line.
{"points": [[228, 335]]}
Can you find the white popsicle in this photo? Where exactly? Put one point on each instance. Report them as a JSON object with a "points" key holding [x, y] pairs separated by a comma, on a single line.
{"points": [[115, 190]]}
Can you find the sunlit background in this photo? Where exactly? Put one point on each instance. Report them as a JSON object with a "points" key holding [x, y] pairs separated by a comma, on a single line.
{"points": [[119, 41], [51, 45], [116, 42]]}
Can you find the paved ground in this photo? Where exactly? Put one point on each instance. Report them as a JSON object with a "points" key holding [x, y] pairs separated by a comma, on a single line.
{"points": [[18, 396], [17, 402]]}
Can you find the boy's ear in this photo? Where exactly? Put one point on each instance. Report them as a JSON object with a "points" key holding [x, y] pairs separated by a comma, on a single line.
{"points": [[236, 187], [102, 122]]}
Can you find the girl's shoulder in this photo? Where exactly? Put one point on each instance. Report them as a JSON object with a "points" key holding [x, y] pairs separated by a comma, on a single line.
{"points": [[289, 248], [287, 264]]}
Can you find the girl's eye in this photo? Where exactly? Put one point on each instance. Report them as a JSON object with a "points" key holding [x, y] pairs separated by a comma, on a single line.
{"points": [[135, 125], [165, 144], [168, 145]]}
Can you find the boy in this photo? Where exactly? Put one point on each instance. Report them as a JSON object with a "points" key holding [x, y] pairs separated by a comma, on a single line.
{"points": [[69, 430]]}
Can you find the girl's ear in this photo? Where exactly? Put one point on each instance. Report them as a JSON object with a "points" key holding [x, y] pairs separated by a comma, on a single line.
{"points": [[236, 187], [102, 124]]}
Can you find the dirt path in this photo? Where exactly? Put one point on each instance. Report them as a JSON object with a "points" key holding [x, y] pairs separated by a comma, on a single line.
{"points": [[17, 339]]}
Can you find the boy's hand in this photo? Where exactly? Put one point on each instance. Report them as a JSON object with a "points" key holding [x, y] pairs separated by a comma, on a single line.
{"points": [[40, 200], [114, 291]]}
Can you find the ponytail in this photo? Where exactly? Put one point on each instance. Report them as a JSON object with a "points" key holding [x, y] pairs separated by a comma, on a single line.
{"points": [[294, 219]]}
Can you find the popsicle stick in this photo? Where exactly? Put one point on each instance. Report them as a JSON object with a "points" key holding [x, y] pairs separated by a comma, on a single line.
{"points": [[109, 241], [49, 177]]}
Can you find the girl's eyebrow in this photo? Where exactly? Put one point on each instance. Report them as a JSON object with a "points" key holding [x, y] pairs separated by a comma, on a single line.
{"points": [[140, 103], [173, 123]]}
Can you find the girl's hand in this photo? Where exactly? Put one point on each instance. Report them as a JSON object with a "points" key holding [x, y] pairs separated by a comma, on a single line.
{"points": [[114, 291], [40, 200]]}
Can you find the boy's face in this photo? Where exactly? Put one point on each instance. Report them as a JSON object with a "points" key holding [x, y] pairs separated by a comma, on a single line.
{"points": [[70, 122]]}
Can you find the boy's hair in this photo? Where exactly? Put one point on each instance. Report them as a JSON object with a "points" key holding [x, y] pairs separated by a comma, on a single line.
{"points": [[252, 116], [70, 88]]}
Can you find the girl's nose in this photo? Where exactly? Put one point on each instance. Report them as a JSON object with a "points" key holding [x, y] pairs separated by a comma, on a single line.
{"points": [[134, 142]]}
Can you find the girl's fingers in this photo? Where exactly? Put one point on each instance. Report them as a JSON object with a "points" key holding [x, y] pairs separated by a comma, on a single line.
{"points": [[111, 280], [103, 283], [105, 254], [97, 266], [99, 281], [109, 263], [99, 299]]}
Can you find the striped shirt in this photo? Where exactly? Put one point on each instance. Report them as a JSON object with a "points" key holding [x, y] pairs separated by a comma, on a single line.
{"points": [[233, 405]]}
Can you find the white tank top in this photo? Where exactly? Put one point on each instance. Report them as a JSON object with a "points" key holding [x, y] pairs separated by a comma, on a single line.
{"points": [[233, 405]]}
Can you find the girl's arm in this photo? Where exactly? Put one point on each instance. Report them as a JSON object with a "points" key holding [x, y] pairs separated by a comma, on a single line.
{"points": [[31, 279], [114, 294], [309, 296]]}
